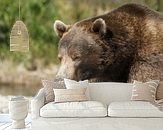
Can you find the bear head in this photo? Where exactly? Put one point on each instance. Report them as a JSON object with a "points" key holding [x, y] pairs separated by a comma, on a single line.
{"points": [[85, 50]]}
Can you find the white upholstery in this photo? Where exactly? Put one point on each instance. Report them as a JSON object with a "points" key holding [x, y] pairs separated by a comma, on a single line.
{"points": [[36, 103], [74, 109], [133, 109], [106, 123], [107, 92]]}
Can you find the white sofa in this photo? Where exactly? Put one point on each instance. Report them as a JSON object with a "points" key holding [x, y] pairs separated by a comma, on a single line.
{"points": [[122, 114]]}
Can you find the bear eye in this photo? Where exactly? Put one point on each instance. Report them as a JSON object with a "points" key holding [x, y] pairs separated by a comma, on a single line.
{"points": [[75, 57], [60, 58]]}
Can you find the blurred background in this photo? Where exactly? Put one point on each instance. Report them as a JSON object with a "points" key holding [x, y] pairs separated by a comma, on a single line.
{"points": [[21, 73]]}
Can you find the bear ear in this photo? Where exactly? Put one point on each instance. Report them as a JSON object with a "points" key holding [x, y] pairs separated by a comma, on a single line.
{"points": [[60, 28], [99, 26]]}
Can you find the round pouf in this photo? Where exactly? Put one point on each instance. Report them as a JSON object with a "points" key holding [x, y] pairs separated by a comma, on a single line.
{"points": [[18, 110]]}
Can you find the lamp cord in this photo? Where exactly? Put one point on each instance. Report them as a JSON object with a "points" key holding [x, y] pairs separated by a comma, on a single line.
{"points": [[19, 9], [19, 27]]}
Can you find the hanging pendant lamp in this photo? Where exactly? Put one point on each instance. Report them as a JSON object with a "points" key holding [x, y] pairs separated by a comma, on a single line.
{"points": [[19, 38]]}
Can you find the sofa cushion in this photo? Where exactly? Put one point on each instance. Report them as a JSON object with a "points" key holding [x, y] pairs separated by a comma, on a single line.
{"points": [[133, 109], [144, 91], [70, 95], [49, 85], [74, 109], [72, 84], [159, 94]]}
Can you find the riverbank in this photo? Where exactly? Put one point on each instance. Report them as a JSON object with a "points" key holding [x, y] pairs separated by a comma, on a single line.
{"points": [[11, 74]]}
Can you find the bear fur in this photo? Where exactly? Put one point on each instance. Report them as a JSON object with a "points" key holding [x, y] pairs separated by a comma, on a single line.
{"points": [[123, 45]]}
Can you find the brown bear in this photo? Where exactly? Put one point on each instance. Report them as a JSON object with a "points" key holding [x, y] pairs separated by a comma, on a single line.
{"points": [[123, 45]]}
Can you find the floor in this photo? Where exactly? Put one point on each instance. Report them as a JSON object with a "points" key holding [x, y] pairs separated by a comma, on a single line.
{"points": [[7, 126], [5, 123]]}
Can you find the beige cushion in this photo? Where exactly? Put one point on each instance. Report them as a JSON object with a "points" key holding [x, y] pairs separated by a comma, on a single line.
{"points": [[159, 93], [72, 84], [70, 95], [48, 88], [144, 91]]}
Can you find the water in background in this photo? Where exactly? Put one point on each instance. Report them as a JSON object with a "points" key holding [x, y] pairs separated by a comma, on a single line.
{"points": [[6, 90]]}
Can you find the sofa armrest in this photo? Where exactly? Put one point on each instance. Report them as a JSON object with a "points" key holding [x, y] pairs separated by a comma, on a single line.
{"points": [[36, 103]]}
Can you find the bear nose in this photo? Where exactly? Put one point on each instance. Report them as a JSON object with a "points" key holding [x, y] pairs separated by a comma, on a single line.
{"points": [[57, 78]]}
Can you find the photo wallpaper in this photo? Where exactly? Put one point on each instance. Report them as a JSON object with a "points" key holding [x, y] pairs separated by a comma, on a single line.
{"points": [[98, 40]]}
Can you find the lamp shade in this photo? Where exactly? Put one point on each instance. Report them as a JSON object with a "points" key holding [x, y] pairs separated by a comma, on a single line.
{"points": [[19, 38]]}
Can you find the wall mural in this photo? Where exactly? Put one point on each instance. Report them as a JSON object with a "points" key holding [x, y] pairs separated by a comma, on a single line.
{"points": [[123, 44]]}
